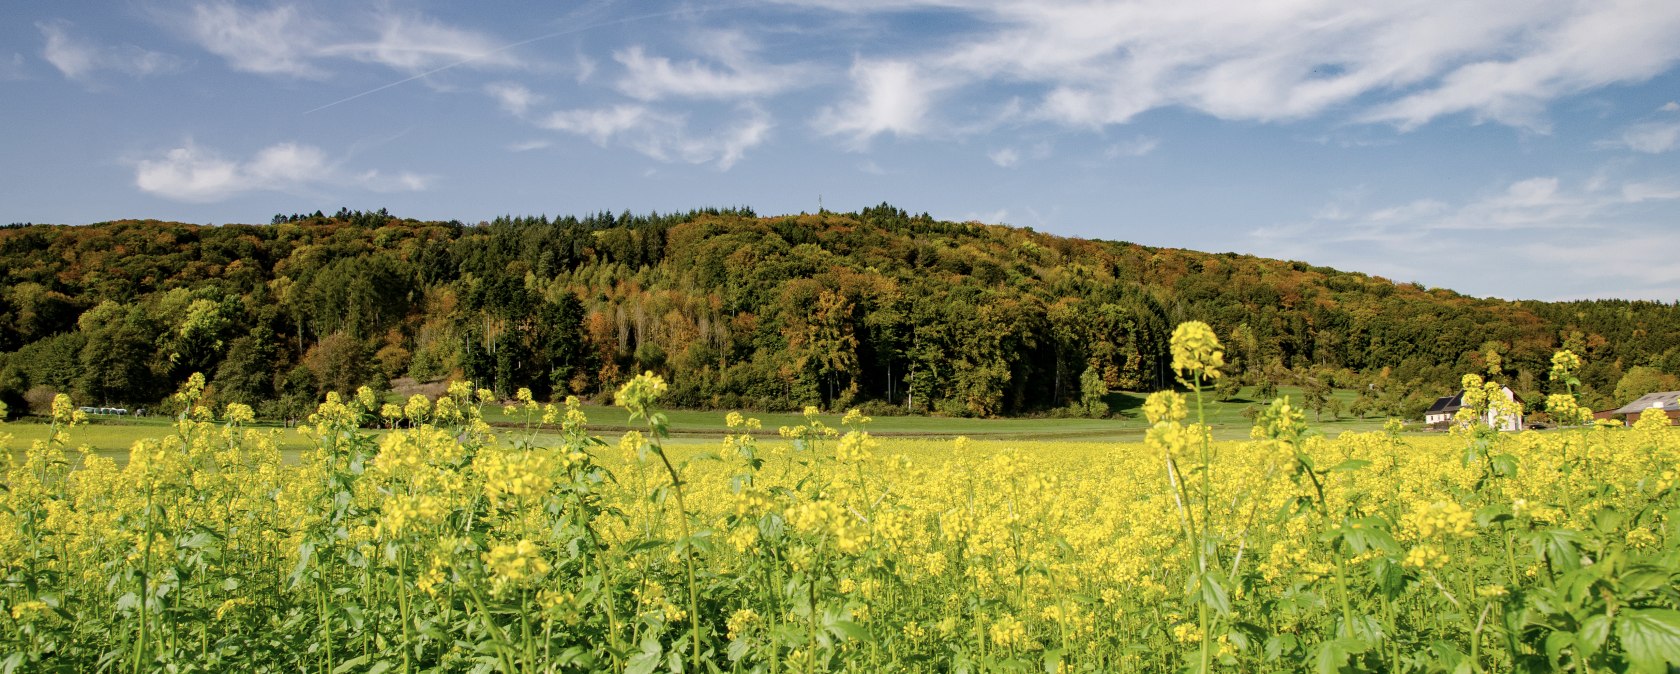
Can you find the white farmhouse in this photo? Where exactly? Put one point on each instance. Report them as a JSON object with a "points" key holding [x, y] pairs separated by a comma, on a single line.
{"points": [[1440, 415]]}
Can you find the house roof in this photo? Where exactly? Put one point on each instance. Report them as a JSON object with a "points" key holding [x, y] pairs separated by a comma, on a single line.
{"points": [[1454, 402], [1447, 404], [1669, 401]]}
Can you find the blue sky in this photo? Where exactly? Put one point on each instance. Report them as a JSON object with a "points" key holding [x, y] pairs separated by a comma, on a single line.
{"points": [[1519, 149]]}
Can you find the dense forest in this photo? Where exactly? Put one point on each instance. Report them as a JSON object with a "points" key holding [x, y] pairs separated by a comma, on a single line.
{"points": [[877, 308]]}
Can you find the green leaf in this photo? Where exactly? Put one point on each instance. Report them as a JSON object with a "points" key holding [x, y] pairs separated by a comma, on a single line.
{"points": [[850, 630], [1594, 630], [1330, 656], [1369, 533], [1651, 638], [197, 540], [1349, 466], [1559, 547], [1214, 595], [647, 660], [738, 649], [1504, 465], [1607, 520], [1646, 578], [1489, 515], [350, 664]]}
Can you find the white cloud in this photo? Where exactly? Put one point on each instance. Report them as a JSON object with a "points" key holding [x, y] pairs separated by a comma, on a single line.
{"points": [[194, 174], [1099, 62], [1671, 106], [276, 41], [1649, 137], [887, 96], [80, 59], [652, 78], [663, 136], [528, 145], [514, 98], [1634, 193], [285, 40], [414, 43], [1136, 147], [1005, 157], [1585, 240], [601, 124]]}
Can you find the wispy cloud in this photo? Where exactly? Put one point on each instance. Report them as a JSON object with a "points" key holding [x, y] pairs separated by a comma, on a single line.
{"points": [[1589, 238], [413, 43], [514, 98], [194, 174], [81, 59], [1651, 137], [528, 145], [665, 136], [250, 40], [1136, 147], [738, 73], [1006, 157], [288, 40], [1104, 62]]}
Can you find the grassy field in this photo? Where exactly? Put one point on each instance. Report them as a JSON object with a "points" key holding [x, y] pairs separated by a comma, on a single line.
{"points": [[113, 437]]}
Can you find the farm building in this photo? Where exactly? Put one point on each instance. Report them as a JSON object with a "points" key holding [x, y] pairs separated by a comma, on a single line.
{"points": [[1668, 401], [1440, 415]]}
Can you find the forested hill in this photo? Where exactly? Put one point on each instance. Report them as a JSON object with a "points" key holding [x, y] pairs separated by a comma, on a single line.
{"points": [[876, 308]]}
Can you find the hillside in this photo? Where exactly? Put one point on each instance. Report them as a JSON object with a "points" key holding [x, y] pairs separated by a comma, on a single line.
{"points": [[875, 308]]}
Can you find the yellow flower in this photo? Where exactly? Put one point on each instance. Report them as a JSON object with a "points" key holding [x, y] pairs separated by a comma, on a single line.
{"points": [[1426, 557], [1165, 406], [1564, 364], [640, 393], [1007, 631], [1439, 520], [1187, 633], [238, 413], [1196, 351], [740, 621], [1279, 421], [366, 398], [514, 564], [28, 611], [1651, 418]]}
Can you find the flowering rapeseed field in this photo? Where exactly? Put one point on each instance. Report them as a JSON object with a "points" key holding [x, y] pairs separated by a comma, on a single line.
{"points": [[446, 545]]}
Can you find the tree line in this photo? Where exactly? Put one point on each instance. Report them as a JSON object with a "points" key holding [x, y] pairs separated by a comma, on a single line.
{"points": [[877, 308]]}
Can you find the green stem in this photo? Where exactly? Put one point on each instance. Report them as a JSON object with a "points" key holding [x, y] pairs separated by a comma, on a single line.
{"points": [[688, 552], [1207, 525], [402, 606]]}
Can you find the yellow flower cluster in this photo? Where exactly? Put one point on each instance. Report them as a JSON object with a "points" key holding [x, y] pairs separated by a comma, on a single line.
{"points": [[1438, 521], [1196, 352], [740, 621], [516, 478], [515, 564], [1008, 632]]}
